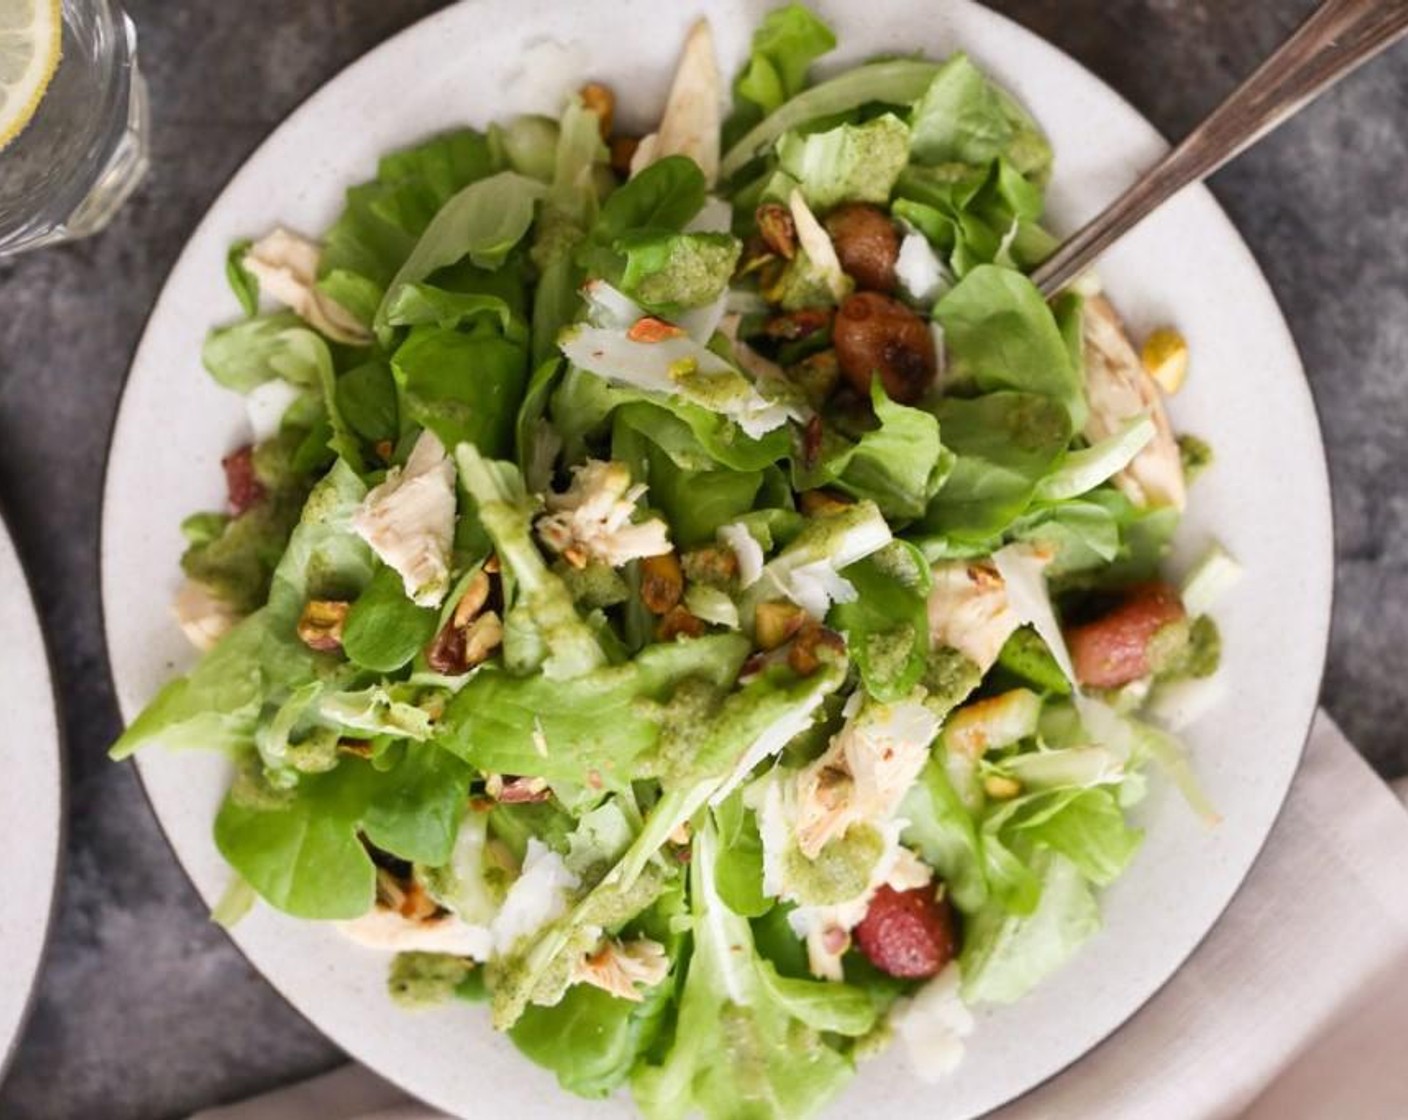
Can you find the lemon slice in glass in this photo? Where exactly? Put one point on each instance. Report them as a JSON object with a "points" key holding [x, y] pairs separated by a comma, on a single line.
{"points": [[30, 36]]}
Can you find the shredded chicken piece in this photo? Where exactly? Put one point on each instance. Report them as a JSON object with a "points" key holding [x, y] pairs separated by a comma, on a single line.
{"points": [[693, 113], [592, 520], [748, 360], [864, 774], [1118, 388], [619, 966], [204, 617], [386, 929], [409, 521], [969, 610], [286, 266]]}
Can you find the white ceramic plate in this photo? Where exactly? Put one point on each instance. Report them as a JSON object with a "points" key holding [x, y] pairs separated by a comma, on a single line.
{"points": [[31, 797], [1267, 499]]}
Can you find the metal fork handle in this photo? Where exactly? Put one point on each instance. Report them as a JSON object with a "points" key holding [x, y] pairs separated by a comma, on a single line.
{"points": [[1337, 37]]}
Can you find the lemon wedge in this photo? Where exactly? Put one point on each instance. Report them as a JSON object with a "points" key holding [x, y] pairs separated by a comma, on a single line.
{"points": [[30, 37]]}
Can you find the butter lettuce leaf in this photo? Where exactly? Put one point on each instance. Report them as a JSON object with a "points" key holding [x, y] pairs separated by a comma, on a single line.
{"points": [[788, 40], [483, 222], [746, 1039], [964, 118], [1001, 334], [260, 663], [602, 727], [1005, 443], [541, 600], [900, 464], [848, 163]]}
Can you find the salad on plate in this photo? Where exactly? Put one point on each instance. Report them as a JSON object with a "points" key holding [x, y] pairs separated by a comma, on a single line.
{"points": [[691, 593]]}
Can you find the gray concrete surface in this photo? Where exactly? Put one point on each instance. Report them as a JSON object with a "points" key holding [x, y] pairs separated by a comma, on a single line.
{"points": [[145, 1010]]}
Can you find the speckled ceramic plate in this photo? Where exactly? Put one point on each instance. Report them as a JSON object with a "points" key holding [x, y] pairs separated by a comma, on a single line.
{"points": [[31, 796], [1267, 499]]}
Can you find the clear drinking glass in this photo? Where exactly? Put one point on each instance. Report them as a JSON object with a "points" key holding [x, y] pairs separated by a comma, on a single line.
{"points": [[85, 148]]}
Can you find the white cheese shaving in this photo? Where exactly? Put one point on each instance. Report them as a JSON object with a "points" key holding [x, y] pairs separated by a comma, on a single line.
{"points": [[918, 269], [1177, 705], [747, 550], [693, 112], [716, 216], [609, 307], [816, 243], [681, 367], [1210, 579], [538, 896], [933, 1024], [1023, 571], [266, 404], [712, 605], [815, 586]]}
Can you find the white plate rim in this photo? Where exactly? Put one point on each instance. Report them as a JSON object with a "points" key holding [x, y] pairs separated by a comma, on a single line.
{"points": [[1298, 385], [41, 714]]}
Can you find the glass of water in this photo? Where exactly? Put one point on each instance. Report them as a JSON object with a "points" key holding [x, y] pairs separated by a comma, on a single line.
{"points": [[77, 124]]}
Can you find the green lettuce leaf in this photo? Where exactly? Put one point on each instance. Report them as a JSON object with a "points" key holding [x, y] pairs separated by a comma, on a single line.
{"points": [[568, 212], [891, 82], [849, 163], [887, 625], [591, 1039], [241, 281], [899, 465], [417, 304], [417, 805], [1005, 955], [384, 629], [964, 118], [571, 647], [945, 835], [382, 218], [975, 216], [261, 662], [787, 41], [528, 144], [302, 851], [1005, 444], [686, 482], [669, 272], [465, 386], [234, 557], [366, 399], [664, 196], [1086, 826], [249, 353], [483, 223], [1001, 334], [746, 1039], [302, 855], [601, 727]]}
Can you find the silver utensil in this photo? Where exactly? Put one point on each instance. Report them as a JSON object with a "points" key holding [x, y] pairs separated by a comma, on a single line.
{"points": [[1338, 36]]}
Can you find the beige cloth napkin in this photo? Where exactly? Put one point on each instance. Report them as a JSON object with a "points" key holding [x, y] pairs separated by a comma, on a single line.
{"points": [[1294, 1008]]}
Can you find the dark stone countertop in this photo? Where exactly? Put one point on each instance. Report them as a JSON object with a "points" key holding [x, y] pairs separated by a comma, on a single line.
{"points": [[145, 1009]]}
